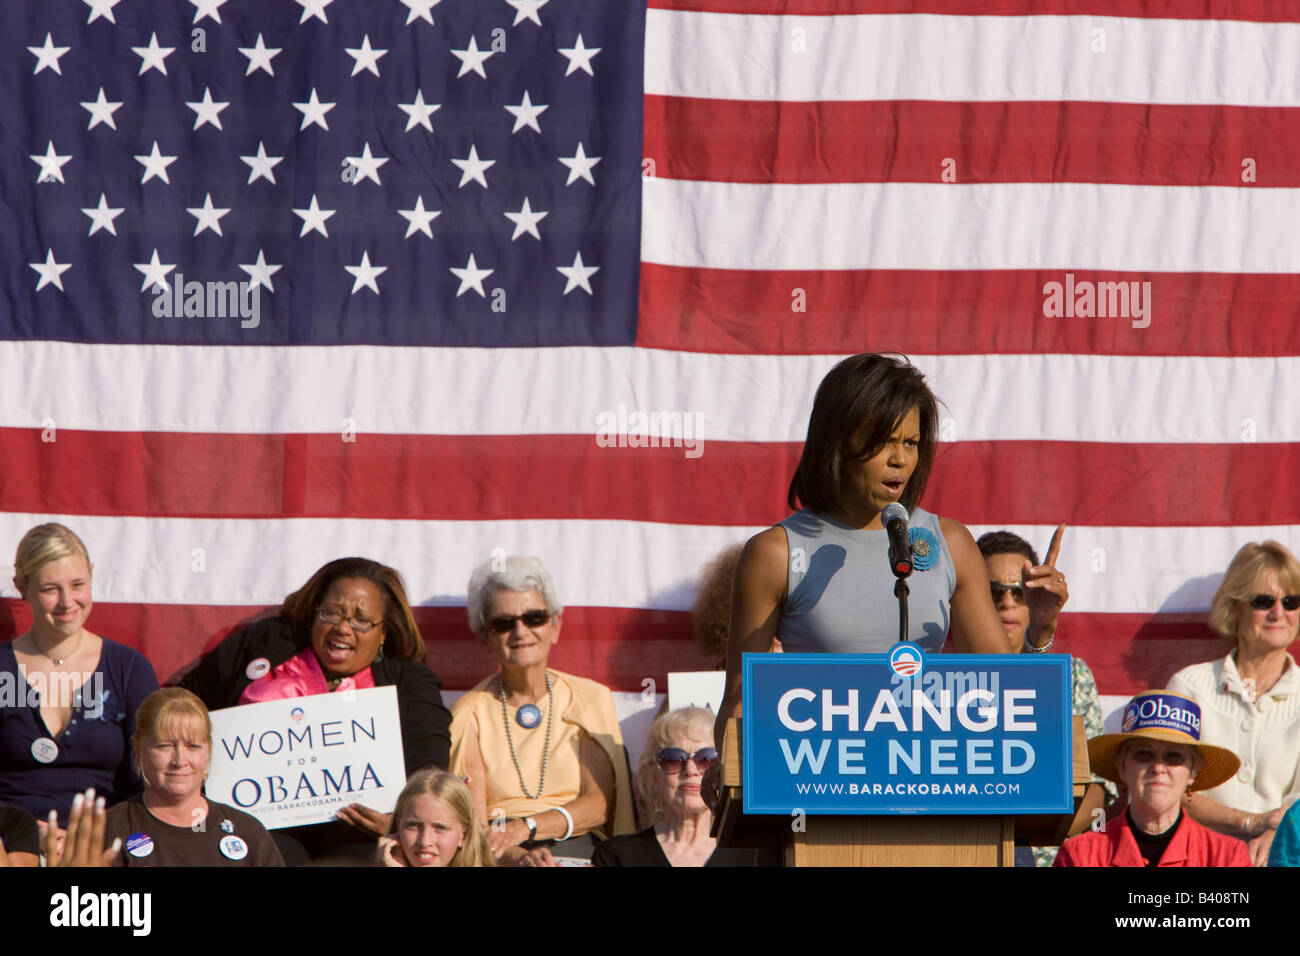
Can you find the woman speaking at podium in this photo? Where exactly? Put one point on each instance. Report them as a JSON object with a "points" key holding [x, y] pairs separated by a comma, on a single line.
{"points": [[821, 580]]}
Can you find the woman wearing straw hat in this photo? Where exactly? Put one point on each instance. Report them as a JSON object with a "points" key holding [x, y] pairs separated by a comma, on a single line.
{"points": [[1158, 758]]}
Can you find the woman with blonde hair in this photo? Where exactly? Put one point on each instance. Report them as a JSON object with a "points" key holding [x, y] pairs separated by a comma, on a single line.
{"points": [[73, 694], [678, 751], [172, 823], [1250, 700], [434, 825]]}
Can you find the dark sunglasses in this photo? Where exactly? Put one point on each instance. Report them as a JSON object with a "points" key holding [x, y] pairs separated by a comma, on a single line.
{"points": [[506, 622], [673, 759], [997, 588], [1170, 758], [1264, 602]]}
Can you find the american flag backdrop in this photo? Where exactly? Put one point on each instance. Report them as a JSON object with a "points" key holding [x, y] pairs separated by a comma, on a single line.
{"points": [[481, 231]]}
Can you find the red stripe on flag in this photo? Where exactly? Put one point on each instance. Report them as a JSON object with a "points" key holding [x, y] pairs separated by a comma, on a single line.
{"points": [[736, 483], [622, 647], [911, 141], [619, 647], [941, 312], [1254, 10]]}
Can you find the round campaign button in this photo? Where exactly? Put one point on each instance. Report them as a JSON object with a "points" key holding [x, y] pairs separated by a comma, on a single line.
{"points": [[257, 669], [139, 845], [45, 750], [529, 716], [233, 848]]}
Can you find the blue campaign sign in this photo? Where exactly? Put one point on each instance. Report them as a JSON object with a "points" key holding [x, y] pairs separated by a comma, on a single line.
{"points": [[907, 732]]}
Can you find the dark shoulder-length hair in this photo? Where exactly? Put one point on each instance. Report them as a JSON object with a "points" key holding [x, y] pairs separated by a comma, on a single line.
{"points": [[401, 634], [864, 396]]}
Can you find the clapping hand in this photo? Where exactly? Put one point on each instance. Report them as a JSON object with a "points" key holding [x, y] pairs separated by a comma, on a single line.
{"points": [[84, 844]]}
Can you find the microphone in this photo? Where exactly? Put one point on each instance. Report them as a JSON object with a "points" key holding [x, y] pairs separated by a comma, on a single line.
{"points": [[894, 518]]}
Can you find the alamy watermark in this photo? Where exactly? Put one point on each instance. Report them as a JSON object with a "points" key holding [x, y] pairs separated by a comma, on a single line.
{"points": [[637, 429], [1086, 299], [209, 300]]}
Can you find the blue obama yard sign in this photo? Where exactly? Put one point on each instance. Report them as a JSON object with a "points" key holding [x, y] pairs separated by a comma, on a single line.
{"points": [[907, 732]]}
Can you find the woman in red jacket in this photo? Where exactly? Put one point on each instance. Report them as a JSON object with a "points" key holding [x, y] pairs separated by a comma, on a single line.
{"points": [[1159, 758]]}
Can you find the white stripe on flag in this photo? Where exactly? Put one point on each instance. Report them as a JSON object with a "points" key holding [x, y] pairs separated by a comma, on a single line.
{"points": [[595, 563], [979, 58], [1120, 398], [1059, 226]]}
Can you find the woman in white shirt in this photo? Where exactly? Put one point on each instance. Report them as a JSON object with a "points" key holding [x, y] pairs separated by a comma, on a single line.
{"points": [[1250, 700]]}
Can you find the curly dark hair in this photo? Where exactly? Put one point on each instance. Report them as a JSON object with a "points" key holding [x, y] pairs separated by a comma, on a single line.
{"points": [[712, 609], [1004, 542]]}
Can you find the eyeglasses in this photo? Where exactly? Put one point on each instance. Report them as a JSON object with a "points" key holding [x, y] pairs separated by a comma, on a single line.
{"points": [[1265, 602], [997, 588], [359, 625], [506, 622], [674, 759], [1170, 758]]}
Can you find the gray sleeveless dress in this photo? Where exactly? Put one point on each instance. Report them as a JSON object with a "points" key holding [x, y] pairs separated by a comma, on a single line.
{"points": [[840, 590]]}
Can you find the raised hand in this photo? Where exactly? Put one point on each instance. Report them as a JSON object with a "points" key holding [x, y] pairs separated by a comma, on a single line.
{"points": [[1045, 593]]}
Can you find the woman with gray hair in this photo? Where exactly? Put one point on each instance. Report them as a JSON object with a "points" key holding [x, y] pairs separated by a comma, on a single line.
{"points": [[541, 749]]}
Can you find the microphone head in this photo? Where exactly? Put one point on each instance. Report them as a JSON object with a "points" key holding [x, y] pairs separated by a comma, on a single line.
{"points": [[893, 512]]}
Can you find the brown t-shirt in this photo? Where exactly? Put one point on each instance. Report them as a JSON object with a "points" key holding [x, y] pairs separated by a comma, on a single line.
{"points": [[228, 837]]}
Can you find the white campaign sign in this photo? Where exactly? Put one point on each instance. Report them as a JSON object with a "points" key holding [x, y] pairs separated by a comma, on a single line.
{"points": [[300, 760]]}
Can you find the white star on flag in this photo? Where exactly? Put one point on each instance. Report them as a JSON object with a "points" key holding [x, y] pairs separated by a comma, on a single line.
{"points": [[472, 167], [152, 57], [313, 8], [579, 166], [206, 8], [208, 216], [101, 8], [51, 165], [577, 275], [260, 56], [261, 165], [155, 272], [313, 111], [418, 112], [471, 277], [50, 271], [418, 218], [259, 272], [205, 110], [367, 166], [527, 10], [579, 57], [419, 8], [48, 56], [526, 221], [365, 57], [101, 216], [313, 218], [526, 114], [155, 164], [471, 58], [365, 275], [101, 111]]}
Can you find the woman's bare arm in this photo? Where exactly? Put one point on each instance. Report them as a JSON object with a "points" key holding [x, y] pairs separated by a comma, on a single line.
{"points": [[975, 625], [757, 594]]}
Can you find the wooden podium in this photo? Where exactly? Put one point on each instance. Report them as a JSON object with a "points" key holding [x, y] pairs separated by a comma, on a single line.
{"points": [[902, 839]]}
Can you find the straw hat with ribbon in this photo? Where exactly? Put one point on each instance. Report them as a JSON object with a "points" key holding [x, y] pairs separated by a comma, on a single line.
{"points": [[1162, 715]]}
